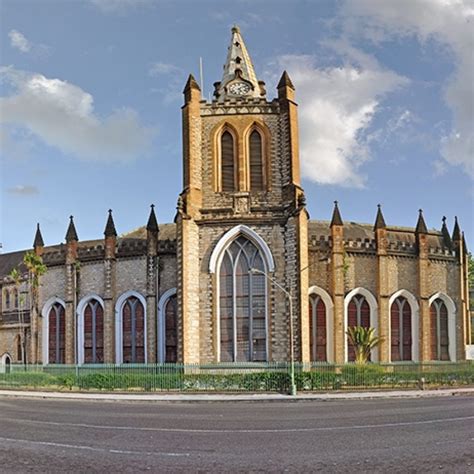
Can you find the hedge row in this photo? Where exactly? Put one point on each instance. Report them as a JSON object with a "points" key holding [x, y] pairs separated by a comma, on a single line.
{"points": [[351, 376]]}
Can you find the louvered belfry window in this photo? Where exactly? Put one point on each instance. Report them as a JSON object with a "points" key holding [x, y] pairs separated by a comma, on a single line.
{"points": [[256, 161], [242, 304], [227, 162]]}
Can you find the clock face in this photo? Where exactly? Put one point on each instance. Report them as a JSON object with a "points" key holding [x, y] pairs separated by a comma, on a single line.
{"points": [[239, 88]]}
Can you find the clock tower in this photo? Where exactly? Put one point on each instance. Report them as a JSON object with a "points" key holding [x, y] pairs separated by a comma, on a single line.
{"points": [[241, 220]]}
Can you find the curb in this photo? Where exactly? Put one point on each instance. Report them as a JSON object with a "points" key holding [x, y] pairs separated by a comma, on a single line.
{"points": [[207, 398]]}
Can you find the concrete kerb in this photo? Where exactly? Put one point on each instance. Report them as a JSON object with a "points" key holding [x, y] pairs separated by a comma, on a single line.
{"points": [[208, 398]]}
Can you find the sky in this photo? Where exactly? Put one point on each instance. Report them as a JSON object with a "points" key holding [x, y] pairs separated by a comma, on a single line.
{"points": [[91, 96]]}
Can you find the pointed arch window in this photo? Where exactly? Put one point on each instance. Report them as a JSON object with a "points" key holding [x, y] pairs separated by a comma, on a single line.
{"points": [[7, 299], [256, 161], [93, 333], [400, 330], [242, 304], [317, 328], [439, 330], [171, 329], [56, 334], [15, 298], [133, 331], [227, 162], [358, 314]]}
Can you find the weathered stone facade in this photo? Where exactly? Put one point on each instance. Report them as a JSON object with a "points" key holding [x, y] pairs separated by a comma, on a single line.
{"points": [[302, 261]]}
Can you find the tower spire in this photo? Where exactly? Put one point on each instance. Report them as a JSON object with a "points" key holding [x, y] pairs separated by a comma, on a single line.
{"points": [[379, 220], [71, 233], [239, 78], [421, 225], [336, 216], [446, 237], [152, 224], [38, 242], [110, 226]]}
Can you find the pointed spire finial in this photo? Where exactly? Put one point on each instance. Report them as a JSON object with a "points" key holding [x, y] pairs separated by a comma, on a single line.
{"points": [[71, 234], [110, 230], [379, 219], [445, 233], [38, 242], [456, 230], [421, 225], [336, 216], [285, 81], [191, 83], [152, 224]]}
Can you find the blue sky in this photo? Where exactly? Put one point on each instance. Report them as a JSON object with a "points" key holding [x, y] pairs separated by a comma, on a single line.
{"points": [[91, 94]]}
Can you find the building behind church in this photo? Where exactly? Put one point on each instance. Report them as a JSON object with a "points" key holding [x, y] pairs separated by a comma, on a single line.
{"points": [[215, 285]]}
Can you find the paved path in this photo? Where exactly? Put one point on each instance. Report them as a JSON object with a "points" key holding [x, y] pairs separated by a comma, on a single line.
{"points": [[383, 435], [246, 397]]}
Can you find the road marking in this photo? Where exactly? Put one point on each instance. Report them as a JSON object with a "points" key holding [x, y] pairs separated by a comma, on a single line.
{"points": [[91, 448], [270, 430]]}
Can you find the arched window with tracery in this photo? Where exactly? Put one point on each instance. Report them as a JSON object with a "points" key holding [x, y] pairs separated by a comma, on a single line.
{"points": [[257, 181], [400, 330], [93, 333], [56, 334], [242, 303], [317, 328], [358, 314], [133, 331], [439, 330], [15, 298], [228, 167], [171, 329]]}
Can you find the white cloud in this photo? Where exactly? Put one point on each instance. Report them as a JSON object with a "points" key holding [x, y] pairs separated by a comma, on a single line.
{"points": [[159, 68], [19, 41], [450, 24], [23, 190], [120, 6], [62, 115], [337, 105]]}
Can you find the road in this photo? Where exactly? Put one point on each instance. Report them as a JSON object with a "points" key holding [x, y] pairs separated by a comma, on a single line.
{"points": [[408, 435]]}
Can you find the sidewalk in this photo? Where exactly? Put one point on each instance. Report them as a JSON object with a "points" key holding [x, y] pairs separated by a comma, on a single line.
{"points": [[244, 397]]}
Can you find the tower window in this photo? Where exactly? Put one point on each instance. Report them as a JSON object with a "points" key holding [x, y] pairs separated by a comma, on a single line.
{"points": [[227, 162], [256, 161]]}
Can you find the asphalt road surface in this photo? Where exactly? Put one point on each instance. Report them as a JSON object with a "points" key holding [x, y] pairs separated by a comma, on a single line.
{"points": [[408, 435]]}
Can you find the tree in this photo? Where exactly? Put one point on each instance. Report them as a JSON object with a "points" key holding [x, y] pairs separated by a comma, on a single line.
{"points": [[36, 268], [364, 340]]}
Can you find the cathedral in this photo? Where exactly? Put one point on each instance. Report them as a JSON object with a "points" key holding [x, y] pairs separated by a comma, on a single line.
{"points": [[243, 274]]}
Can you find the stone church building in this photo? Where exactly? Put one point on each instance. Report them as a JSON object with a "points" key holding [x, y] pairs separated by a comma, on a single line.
{"points": [[217, 284]]}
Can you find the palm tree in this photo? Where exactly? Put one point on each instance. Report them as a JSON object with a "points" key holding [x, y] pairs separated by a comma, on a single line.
{"points": [[364, 340], [36, 268]]}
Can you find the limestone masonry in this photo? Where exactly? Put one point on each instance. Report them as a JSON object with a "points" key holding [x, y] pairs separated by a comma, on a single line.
{"points": [[216, 285]]}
